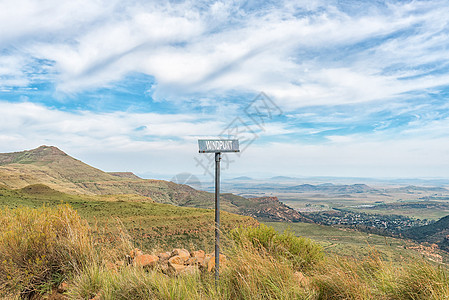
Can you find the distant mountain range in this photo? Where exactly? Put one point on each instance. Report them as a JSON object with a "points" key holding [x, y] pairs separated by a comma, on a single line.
{"points": [[331, 188], [242, 178], [50, 166], [352, 180]]}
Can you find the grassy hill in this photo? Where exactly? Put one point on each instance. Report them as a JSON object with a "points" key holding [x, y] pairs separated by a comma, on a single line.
{"points": [[52, 167], [148, 223], [50, 253], [352, 243], [437, 233]]}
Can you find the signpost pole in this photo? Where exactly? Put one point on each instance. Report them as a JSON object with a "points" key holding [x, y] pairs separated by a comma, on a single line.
{"points": [[217, 216], [217, 146]]}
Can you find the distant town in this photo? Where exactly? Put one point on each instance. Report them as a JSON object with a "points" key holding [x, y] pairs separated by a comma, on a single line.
{"points": [[382, 224]]}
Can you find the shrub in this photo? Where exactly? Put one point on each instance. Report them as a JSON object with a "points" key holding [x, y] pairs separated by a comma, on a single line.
{"points": [[255, 274], [372, 278], [347, 278], [300, 252], [40, 247], [420, 280], [138, 284]]}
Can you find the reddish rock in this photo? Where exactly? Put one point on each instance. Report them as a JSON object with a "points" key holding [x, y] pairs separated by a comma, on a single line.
{"points": [[145, 260], [209, 262], [205, 260], [194, 261], [164, 256], [178, 260], [199, 254], [181, 252]]}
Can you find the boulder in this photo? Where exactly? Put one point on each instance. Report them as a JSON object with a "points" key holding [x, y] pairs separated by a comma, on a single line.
{"points": [[164, 267], [164, 256], [205, 261], [145, 260], [194, 261], [180, 252], [209, 262], [179, 260], [198, 254], [177, 269]]}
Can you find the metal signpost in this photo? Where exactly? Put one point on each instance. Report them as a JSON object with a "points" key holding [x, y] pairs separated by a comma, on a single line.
{"points": [[217, 147]]}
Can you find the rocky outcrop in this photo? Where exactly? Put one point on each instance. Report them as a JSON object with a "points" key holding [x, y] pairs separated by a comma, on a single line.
{"points": [[271, 209], [176, 262]]}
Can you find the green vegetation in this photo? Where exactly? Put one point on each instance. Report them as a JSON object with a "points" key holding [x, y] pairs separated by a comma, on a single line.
{"points": [[373, 278], [347, 242], [59, 247], [39, 247], [52, 167], [300, 252], [83, 220], [149, 224], [249, 273]]}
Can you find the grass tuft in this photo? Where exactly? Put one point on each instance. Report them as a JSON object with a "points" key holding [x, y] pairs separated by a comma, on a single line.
{"points": [[300, 252], [39, 247]]}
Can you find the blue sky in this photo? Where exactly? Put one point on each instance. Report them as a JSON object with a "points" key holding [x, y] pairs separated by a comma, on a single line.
{"points": [[358, 88]]}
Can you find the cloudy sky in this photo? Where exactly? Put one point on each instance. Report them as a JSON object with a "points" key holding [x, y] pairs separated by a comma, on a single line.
{"points": [[335, 88]]}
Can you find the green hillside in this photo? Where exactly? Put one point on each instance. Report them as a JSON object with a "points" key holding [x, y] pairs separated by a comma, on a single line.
{"points": [[52, 167], [352, 243], [52, 253], [148, 223], [436, 233]]}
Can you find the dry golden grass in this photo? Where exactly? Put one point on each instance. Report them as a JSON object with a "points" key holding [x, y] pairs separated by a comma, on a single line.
{"points": [[39, 247]]}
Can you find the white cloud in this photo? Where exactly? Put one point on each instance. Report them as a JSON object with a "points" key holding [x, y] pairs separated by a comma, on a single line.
{"points": [[30, 123], [300, 53], [219, 47], [167, 145]]}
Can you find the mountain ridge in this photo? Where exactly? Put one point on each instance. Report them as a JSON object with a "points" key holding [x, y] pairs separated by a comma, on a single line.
{"points": [[50, 166]]}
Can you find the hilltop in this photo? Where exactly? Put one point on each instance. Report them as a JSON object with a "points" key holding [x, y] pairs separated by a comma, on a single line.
{"points": [[54, 168], [147, 222]]}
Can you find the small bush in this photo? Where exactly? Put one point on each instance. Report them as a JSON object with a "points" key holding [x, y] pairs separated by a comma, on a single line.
{"points": [[138, 284], [372, 278], [40, 247], [300, 252], [347, 278], [255, 274], [420, 280]]}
